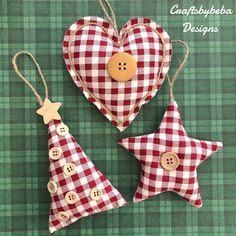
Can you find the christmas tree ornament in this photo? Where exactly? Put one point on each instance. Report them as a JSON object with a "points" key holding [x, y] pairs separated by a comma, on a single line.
{"points": [[77, 188], [117, 72], [169, 157]]}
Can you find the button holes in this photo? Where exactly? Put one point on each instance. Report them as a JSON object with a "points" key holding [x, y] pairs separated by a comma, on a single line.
{"points": [[120, 63], [120, 68], [124, 64], [168, 163], [124, 68]]}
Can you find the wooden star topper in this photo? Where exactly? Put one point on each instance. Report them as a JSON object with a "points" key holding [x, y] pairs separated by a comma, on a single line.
{"points": [[49, 111], [169, 159]]}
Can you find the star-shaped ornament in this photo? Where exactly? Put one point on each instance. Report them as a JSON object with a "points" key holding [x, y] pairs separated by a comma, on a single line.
{"points": [[169, 159], [49, 111]]}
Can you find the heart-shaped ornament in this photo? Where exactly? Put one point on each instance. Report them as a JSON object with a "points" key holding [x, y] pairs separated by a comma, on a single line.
{"points": [[118, 73]]}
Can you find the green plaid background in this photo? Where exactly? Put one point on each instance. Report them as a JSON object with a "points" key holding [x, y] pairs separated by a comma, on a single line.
{"points": [[205, 92]]}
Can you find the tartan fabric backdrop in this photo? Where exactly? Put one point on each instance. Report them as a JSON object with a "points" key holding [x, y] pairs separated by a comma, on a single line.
{"points": [[205, 92]]}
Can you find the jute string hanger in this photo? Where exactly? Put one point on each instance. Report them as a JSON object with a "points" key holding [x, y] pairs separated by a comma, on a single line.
{"points": [[106, 7], [48, 110], [179, 69], [15, 66]]}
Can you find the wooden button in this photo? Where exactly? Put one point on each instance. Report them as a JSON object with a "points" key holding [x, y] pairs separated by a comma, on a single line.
{"points": [[69, 169], [71, 197], [169, 161], [52, 187], [62, 130], [122, 66], [55, 153], [96, 194], [63, 216]]}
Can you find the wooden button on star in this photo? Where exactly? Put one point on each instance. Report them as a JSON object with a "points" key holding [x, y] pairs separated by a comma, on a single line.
{"points": [[169, 161], [49, 111]]}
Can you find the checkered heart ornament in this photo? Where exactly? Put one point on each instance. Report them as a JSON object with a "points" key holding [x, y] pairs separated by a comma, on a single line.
{"points": [[169, 157], [77, 188], [91, 42]]}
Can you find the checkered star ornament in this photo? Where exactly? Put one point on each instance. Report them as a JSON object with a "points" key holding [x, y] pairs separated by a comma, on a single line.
{"points": [[169, 159]]}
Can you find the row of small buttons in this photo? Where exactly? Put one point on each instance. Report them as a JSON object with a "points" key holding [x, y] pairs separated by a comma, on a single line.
{"points": [[69, 170], [55, 152], [72, 197]]}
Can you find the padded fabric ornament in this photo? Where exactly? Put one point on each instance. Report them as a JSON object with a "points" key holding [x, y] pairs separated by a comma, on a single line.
{"points": [[185, 154], [117, 72], [77, 188], [169, 157]]}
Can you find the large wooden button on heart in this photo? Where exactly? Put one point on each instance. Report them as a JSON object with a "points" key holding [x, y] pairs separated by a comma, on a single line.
{"points": [[122, 66]]}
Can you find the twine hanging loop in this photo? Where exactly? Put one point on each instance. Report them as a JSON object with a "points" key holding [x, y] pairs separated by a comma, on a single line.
{"points": [[15, 66], [48, 109], [180, 68]]}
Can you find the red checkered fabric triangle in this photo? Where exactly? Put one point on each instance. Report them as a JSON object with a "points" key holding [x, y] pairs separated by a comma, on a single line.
{"points": [[77, 187], [169, 159]]}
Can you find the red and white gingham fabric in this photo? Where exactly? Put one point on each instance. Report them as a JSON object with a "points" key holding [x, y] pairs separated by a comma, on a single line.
{"points": [[91, 41], [170, 137], [87, 176]]}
